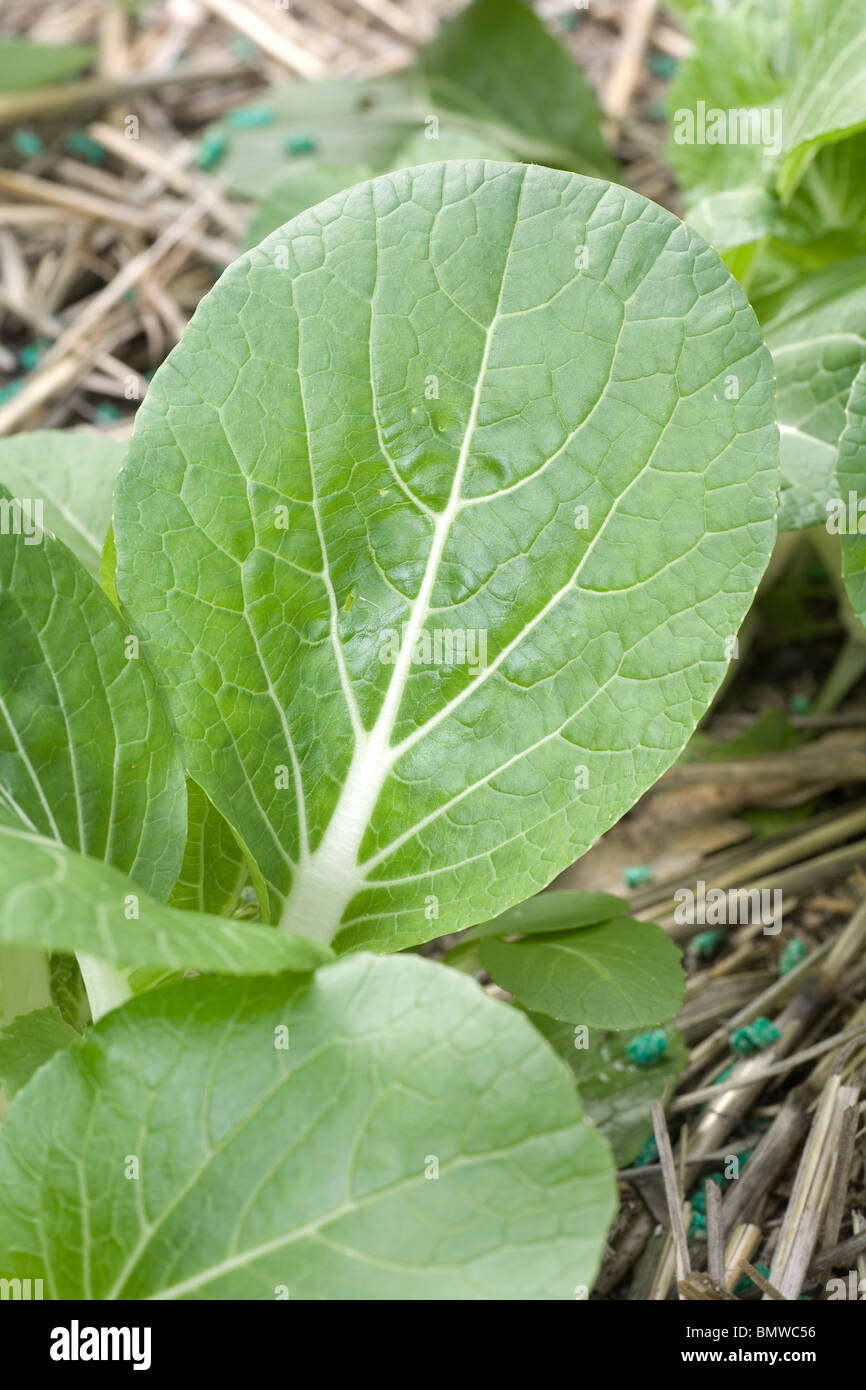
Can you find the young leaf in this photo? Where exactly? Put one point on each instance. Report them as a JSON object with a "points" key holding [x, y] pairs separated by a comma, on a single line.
{"points": [[618, 1095], [550, 912], [437, 528], [57, 900], [547, 912], [214, 871], [382, 1131], [621, 974], [851, 478], [830, 198], [87, 755], [67, 988], [28, 1042], [72, 476]]}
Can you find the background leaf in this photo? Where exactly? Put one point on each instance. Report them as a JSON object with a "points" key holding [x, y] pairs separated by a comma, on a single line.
{"points": [[621, 974], [828, 99], [816, 335], [496, 61], [24, 64], [756, 74], [617, 1094], [370, 778], [28, 1042], [73, 474], [214, 871], [87, 755], [318, 125], [305, 1168], [851, 477], [496, 81]]}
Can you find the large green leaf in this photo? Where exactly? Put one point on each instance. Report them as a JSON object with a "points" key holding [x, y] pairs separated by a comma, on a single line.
{"points": [[407, 666], [817, 335], [620, 974], [618, 1094], [214, 871], [87, 755], [381, 1132], [56, 900], [851, 478], [73, 476]]}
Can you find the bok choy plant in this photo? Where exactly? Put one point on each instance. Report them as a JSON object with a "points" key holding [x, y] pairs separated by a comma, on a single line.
{"points": [[429, 551]]}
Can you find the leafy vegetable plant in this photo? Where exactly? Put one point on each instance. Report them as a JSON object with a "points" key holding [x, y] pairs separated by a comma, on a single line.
{"points": [[769, 147], [431, 545]]}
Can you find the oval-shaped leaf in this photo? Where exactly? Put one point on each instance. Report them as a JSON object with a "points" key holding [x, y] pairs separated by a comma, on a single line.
{"points": [[383, 1131], [438, 526], [87, 755], [621, 974], [56, 900]]}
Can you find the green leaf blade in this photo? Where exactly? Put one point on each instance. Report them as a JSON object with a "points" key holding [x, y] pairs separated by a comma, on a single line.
{"points": [[497, 61], [57, 900], [616, 975], [851, 478], [304, 1169], [72, 475], [563, 910], [24, 64], [28, 1042], [213, 872], [87, 755], [389, 788]]}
